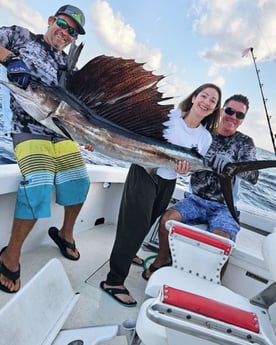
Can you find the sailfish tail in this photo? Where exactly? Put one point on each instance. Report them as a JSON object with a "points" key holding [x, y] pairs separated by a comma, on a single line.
{"points": [[232, 169], [226, 187]]}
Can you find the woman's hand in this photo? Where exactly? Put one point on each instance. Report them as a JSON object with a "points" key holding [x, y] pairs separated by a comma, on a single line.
{"points": [[182, 167]]}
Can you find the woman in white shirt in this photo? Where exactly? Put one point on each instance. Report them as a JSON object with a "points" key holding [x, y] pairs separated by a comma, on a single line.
{"points": [[146, 196]]}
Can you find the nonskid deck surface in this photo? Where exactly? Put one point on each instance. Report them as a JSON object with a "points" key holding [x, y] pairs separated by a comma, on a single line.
{"points": [[94, 306]]}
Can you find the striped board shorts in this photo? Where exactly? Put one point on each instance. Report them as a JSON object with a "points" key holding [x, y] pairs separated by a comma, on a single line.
{"points": [[46, 162]]}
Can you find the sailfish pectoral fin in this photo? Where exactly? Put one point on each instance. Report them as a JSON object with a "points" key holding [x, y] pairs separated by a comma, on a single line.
{"points": [[226, 187]]}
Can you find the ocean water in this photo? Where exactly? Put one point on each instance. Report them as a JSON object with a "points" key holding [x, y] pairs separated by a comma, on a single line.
{"points": [[261, 196]]}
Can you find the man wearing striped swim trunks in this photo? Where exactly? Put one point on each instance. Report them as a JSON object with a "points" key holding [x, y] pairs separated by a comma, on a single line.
{"points": [[46, 159]]}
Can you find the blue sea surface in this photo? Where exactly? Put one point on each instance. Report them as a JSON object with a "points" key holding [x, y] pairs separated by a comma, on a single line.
{"points": [[261, 196]]}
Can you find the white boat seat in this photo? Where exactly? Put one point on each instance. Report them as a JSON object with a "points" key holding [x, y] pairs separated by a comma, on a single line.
{"points": [[195, 252], [86, 335], [36, 313], [194, 319], [267, 297], [269, 253], [97, 334], [195, 311]]}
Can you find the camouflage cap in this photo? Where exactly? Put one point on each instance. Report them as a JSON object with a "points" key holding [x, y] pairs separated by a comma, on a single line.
{"points": [[74, 13]]}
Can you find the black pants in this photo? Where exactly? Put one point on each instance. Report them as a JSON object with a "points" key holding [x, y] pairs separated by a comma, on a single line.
{"points": [[145, 198]]}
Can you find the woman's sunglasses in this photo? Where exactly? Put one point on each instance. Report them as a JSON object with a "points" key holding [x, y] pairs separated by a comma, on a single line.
{"points": [[230, 111], [64, 25]]}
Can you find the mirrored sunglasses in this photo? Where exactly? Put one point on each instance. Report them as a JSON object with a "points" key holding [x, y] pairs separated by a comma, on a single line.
{"points": [[64, 25], [239, 115]]}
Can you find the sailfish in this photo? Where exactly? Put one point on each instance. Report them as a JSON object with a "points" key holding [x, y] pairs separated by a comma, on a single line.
{"points": [[115, 105]]}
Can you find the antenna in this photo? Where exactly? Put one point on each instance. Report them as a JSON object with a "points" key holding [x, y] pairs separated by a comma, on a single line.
{"points": [[264, 101]]}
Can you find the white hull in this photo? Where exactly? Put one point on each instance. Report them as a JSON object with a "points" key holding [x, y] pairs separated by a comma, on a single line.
{"points": [[246, 273]]}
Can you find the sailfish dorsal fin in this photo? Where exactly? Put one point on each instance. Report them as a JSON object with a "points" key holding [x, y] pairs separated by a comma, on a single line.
{"points": [[123, 92]]}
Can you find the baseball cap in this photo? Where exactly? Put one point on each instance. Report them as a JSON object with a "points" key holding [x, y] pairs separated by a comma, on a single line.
{"points": [[74, 13]]}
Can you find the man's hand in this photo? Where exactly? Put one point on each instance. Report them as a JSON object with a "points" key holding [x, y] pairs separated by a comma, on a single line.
{"points": [[18, 72], [182, 167], [88, 147], [219, 162]]}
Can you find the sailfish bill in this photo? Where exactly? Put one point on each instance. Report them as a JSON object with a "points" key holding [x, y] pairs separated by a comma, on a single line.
{"points": [[114, 104]]}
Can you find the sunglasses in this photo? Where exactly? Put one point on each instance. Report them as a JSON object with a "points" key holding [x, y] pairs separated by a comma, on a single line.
{"points": [[64, 25], [230, 111]]}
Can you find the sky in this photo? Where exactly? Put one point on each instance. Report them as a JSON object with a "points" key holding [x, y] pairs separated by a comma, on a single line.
{"points": [[190, 42]]}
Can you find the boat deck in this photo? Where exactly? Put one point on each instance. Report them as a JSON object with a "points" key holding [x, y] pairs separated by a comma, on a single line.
{"points": [[95, 307]]}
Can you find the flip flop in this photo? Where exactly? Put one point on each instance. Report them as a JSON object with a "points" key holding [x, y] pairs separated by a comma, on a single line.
{"points": [[152, 269], [13, 276], [137, 261], [112, 292], [63, 244]]}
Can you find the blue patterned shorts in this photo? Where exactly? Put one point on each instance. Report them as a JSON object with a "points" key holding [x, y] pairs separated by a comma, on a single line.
{"points": [[195, 210]]}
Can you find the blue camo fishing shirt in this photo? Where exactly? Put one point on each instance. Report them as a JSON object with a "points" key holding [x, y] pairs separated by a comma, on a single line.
{"points": [[238, 147], [44, 63]]}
